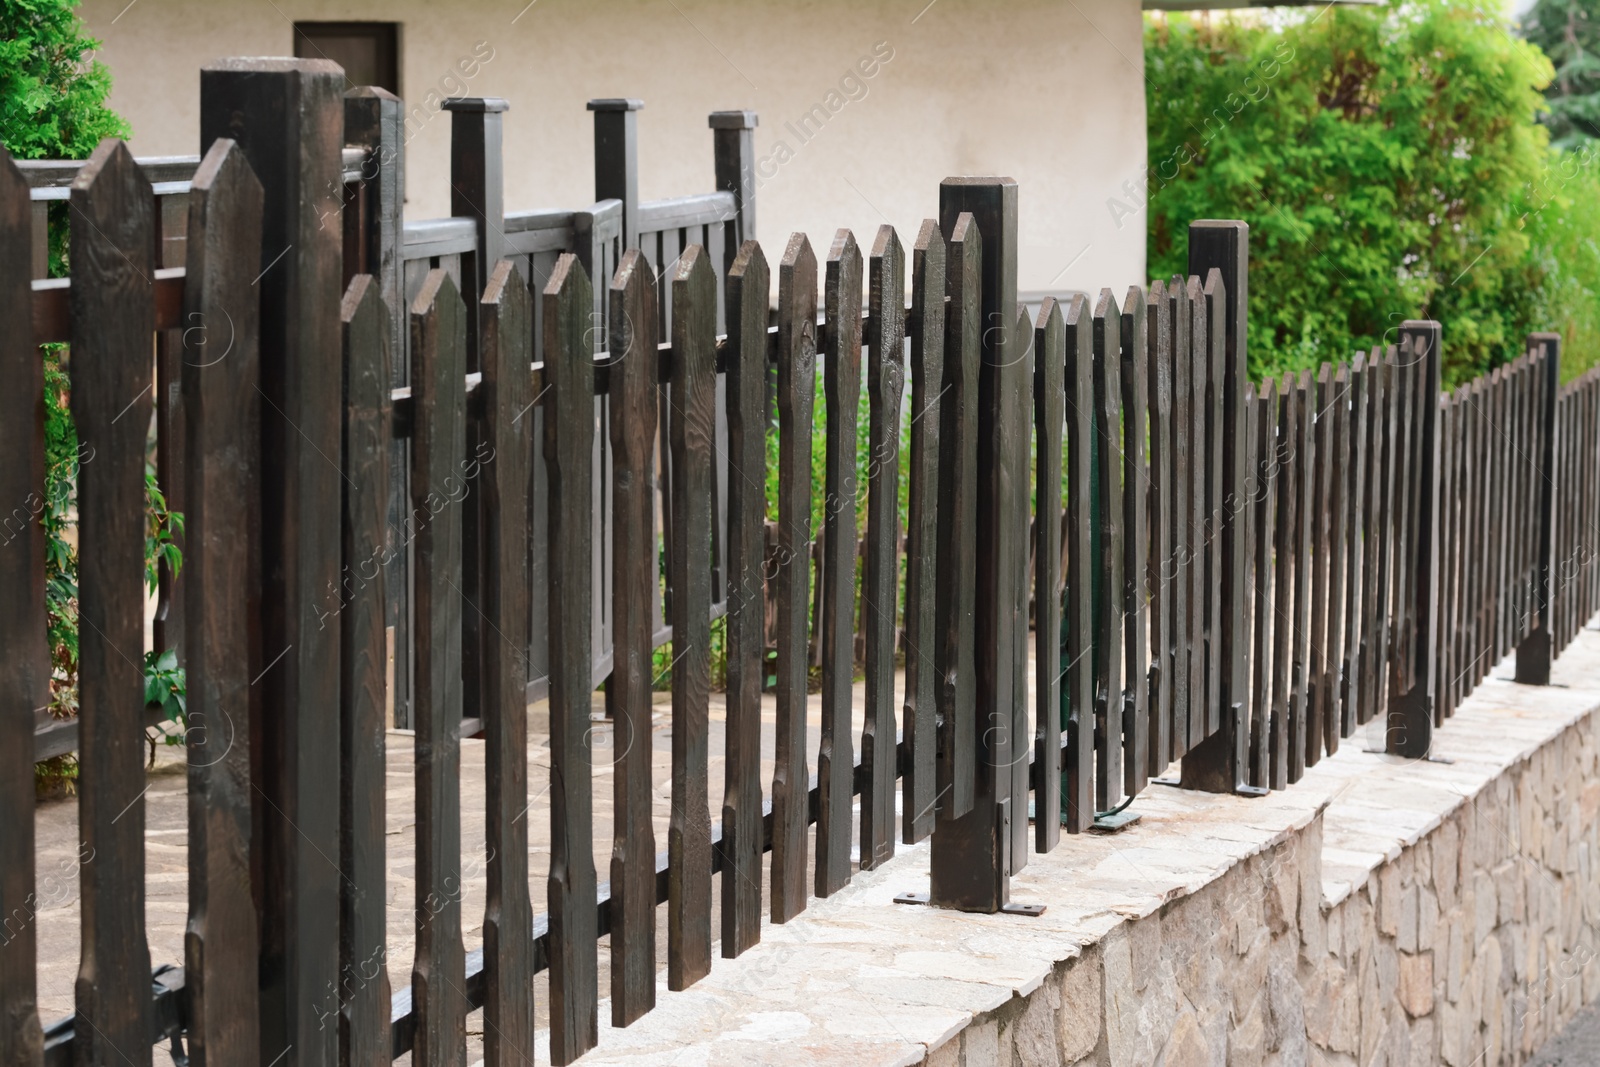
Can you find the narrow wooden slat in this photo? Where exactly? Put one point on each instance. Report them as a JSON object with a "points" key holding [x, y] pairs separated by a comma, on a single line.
{"points": [[797, 357], [1184, 703], [920, 717], [1109, 602], [363, 665], [694, 413], [1246, 503], [1403, 551], [25, 666], [1049, 404], [1305, 443], [1355, 555], [1320, 429], [1019, 422], [1159, 504], [1210, 341], [1264, 723], [1136, 546], [1380, 535], [569, 428], [112, 320], [957, 521], [1081, 566], [880, 582], [438, 449], [1337, 455], [1195, 354], [1287, 457], [746, 310], [505, 322], [632, 429], [841, 377], [1446, 560]]}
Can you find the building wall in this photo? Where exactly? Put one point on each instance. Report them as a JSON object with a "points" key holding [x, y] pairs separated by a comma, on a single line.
{"points": [[1049, 93]]}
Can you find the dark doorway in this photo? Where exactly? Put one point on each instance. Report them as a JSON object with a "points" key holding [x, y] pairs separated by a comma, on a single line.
{"points": [[369, 52]]}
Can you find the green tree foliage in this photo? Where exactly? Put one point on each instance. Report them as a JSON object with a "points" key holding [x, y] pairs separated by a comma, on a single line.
{"points": [[1568, 31], [1385, 159], [52, 98]]}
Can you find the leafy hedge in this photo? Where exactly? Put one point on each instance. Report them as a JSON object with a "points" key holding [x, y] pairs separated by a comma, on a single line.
{"points": [[1390, 165]]}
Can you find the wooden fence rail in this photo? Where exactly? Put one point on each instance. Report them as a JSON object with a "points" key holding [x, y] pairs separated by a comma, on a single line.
{"points": [[1236, 577]]}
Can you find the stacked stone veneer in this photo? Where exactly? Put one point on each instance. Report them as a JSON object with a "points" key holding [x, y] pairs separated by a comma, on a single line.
{"points": [[1469, 944]]}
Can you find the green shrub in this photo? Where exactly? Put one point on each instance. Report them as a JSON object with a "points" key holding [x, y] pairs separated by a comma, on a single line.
{"points": [[1386, 159]]}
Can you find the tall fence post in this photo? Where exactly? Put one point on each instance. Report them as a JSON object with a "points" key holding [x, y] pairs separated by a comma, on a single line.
{"points": [[1410, 722], [288, 118], [1535, 651], [973, 855], [374, 119], [477, 191], [1220, 763], [616, 161], [734, 143]]}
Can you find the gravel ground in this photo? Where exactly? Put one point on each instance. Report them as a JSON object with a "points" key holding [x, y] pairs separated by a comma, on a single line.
{"points": [[1576, 1046]]}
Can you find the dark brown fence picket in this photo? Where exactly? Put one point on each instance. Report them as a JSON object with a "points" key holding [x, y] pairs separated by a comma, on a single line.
{"points": [[1081, 567], [1210, 341], [1320, 427], [25, 666], [957, 521], [1136, 548], [1265, 721], [221, 409], [920, 790], [1109, 600], [841, 383], [438, 454], [1336, 456], [569, 457], [1049, 412], [1287, 457], [881, 578], [632, 391], [1184, 702], [1159, 506], [1302, 524], [112, 322], [797, 357], [505, 325], [741, 845], [694, 385]]}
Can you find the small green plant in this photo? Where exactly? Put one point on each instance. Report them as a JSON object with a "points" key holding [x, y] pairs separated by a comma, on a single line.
{"points": [[165, 688]]}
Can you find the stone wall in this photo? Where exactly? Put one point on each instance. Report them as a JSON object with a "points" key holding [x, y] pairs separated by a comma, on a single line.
{"points": [[1470, 945]]}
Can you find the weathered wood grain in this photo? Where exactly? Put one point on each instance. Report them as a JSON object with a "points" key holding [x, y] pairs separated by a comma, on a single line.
{"points": [[113, 317], [1081, 566], [1109, 600], [694, 399], [920, 788], [841, 386], [288, 118], [1049, 413], [1136, 543], [881, 579], [1159, 505], [1184, 703], [569, 460], [25, 666], [1356, 554], [746, 309], [957, 520], [505, 353], [364, 999], [632, 429], [1265, 723], [797, 358], [438, 452]]}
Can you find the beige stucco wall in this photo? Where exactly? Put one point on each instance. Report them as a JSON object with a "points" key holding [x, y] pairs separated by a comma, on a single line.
{"points": [[1049, 92]]}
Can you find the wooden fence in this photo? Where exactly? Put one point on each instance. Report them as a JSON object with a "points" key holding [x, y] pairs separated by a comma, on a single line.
{"points": [[1249, 574]]}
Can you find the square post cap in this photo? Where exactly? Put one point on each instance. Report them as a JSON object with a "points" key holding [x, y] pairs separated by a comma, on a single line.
{"points": [[733, 120], [618, 103], [477, 104]]}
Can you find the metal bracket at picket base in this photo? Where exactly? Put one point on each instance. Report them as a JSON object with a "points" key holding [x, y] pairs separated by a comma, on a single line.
{"points": [[1033, 911]]}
